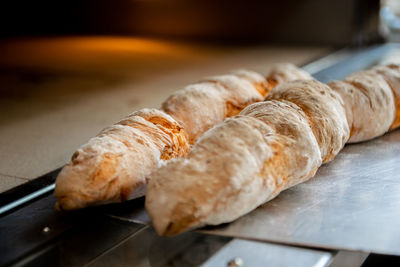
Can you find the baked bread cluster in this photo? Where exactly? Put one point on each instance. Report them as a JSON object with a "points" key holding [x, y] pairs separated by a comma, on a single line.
{"points": [[270, 146], [117, 164]]}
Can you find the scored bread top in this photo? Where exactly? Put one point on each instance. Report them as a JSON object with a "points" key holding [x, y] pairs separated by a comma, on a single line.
{"points": [[324, 109], [369, 104]]}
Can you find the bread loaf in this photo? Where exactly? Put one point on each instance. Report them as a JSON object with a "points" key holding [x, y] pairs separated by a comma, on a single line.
{"points": [[116, 164], [200, 106], [270, 146]]}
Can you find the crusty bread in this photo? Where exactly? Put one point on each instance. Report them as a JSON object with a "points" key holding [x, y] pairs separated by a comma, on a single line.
{"points": [[270, 146], [200, 106], [224, 96], [325, 112], [370, 104], [116, 164], [234, 168]]}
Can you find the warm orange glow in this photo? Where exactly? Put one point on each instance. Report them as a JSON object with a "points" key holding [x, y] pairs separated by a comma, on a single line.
{"points": [[89, 52]]}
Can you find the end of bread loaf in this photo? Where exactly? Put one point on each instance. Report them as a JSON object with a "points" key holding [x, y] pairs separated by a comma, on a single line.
{"points": [[114, 166]]}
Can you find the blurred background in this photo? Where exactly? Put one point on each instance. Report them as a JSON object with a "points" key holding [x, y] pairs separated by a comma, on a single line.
{"points": [[330, 22]]}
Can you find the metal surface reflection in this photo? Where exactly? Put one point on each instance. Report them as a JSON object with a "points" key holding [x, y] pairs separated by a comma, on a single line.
{"points": [[249, 253], [353, 203]]}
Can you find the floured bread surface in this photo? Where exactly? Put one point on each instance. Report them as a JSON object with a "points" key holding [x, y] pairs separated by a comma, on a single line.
{"points": [[233, 168], [113, 166], [391, 74], [324, 109], [369, 104], [200, 106]]}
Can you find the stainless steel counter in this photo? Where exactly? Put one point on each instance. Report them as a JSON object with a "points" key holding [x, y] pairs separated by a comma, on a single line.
{"points": [[146, 248]]}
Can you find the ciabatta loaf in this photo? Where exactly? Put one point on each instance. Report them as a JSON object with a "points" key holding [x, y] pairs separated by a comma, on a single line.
{"points": [[116, 164], [270, 146], [200, 106]]}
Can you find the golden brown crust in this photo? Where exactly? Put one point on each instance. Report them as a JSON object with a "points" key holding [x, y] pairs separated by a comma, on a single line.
{"points": [[112, 165], [369, 104]]}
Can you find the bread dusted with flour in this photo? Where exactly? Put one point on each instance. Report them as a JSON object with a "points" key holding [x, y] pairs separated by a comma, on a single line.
{"points": [[116, 164], [200, 106], [325, 112], [270, 146]]}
